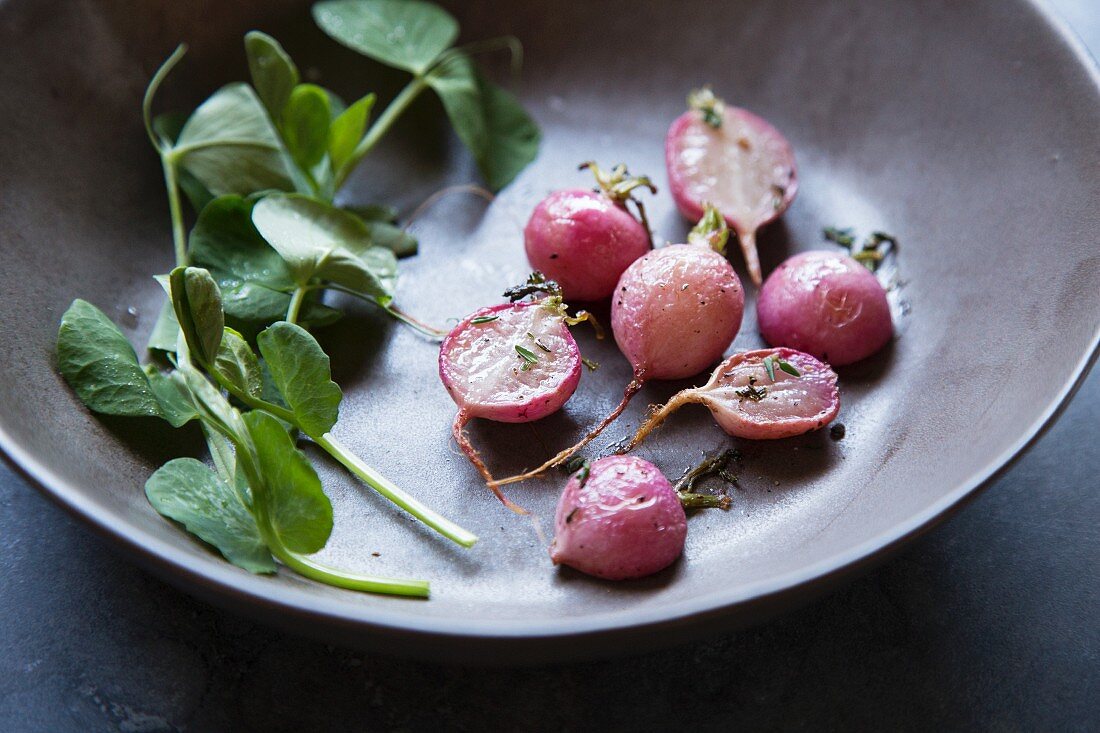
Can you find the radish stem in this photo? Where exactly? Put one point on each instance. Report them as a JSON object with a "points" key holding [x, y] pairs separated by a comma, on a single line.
{"points": [[628, 394], [458, 430]]}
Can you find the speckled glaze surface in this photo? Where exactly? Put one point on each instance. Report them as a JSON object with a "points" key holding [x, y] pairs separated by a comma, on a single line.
{"points": [[980, 156]]}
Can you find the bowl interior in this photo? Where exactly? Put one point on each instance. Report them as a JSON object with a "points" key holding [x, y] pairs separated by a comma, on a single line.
{"points": [[966, 129]]}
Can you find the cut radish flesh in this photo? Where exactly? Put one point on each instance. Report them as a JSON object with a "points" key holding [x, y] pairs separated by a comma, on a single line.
{"points": [[514, 362], [749, 400], [735, 160]]}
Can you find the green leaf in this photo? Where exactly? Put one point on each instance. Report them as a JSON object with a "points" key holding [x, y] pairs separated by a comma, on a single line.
{"points": [[198, 304], [393, 238], [305, 124], [254, 281], [406, 34], [212, 406], [176, 405], [165, 330], [769, 367], [100, 365], [230, 145], [348, 129], [238, 364], [168, 127], [300, 370], [317, 240], [490, 122], [789, 368], [187, 491], [273, 73], [299, 512], [373, 212]]}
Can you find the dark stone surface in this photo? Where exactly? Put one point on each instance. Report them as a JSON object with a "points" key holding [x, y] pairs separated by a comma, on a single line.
{"points": [[990, 622]]}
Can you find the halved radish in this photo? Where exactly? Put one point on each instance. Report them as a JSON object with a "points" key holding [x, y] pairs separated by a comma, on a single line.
{"points": [[514, 362], [760, 395], [735, 160]]}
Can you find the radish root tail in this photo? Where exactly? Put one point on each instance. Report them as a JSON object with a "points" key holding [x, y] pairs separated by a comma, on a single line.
{"points": [[658, 416], [562, 457], [752, 257], [458, 430]]}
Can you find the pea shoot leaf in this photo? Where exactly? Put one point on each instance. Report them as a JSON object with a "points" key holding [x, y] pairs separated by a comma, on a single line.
{"points": [[490, 122], [198, 304], [347, 130], [299, 368], [405, 34], [187, 491], [100, 364], [237, 363], [254, 281], [305, 124], [175, 401], [317, 240], [300, 513], [230, 145], [273, 73]]}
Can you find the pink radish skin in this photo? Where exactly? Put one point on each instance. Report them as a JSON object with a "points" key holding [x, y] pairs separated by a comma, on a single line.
{"points": [[786, 406], [483, 372], [583, 240], [825, 304], [676, 310], [745, 167], [625, 521]]}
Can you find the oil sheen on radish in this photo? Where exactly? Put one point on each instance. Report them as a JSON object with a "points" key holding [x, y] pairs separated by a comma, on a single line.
{"points": [[735, 160], [826, 304]]}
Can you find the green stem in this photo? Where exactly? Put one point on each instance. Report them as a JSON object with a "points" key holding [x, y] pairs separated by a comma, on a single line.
{"points": [[381, 126], [388, 489], [179, 234], [301, 564], [296, 303], [393, 311], [255, 402], [366, 583], [353, 463]]}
